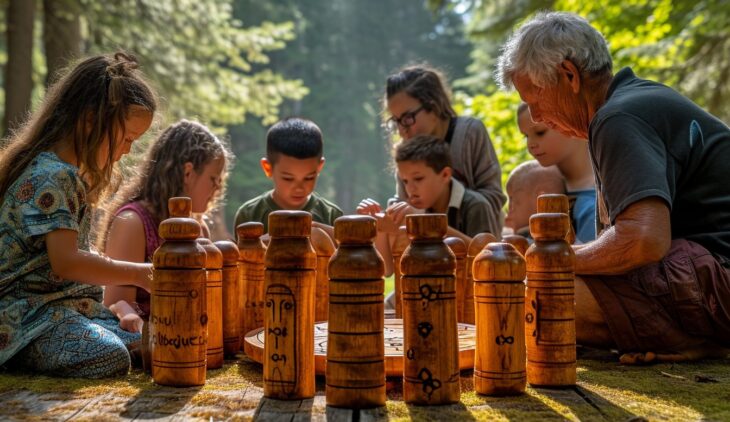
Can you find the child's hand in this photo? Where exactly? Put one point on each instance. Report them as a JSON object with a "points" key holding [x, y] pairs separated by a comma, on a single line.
{"points": [[131, 323], [368, 207], [398, 212], [129, 320]]}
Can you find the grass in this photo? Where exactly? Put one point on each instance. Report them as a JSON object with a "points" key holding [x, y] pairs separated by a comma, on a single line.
{"points": [[606, 391], [389, 285]]}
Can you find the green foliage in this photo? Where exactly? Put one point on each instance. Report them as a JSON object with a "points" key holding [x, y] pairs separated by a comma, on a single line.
{"points": [[204, 62], [343, 52], [683, 44]]}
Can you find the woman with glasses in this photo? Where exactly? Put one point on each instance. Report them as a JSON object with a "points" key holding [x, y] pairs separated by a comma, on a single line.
{"points": [[417, 101]]}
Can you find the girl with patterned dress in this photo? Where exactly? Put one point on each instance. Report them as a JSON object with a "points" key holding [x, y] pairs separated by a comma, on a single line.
{"points": [[52, 172], [186, 160]]}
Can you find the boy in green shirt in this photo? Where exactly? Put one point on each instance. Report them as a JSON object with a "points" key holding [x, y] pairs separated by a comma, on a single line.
{"points": [[293, 162]]}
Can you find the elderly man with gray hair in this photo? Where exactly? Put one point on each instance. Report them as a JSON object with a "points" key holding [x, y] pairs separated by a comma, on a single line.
{"points": [[655, 284]]}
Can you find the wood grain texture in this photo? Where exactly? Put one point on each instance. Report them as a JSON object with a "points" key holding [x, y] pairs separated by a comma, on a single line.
{"points": [[550, 303], [557, 203], [476, 245], [499, 296], [231, 297], [458, 248], [178, 319], [430, 340], [324, 247], [251, 265], [400, 244], [289, 283], [355, 343], [214, 301]]}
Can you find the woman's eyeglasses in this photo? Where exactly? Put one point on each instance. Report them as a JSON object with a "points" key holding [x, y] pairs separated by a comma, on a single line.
{"points": [[405, 121]]}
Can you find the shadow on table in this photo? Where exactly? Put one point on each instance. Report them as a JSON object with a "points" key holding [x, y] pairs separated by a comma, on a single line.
{"points": [[157, 402], [277, 410]]}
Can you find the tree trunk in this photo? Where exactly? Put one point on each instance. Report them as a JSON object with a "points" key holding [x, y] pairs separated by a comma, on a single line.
{"points": [[19, 69], [61, 35]]}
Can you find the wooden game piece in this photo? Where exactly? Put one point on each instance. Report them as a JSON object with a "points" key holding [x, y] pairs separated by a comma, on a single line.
{"points": [[400, 244], [550, 303], [178, 319], [519, 242], [499, 301], [251, 263], [325, 248], [356, 350], [458, 247], [556, 202], [476, 245], [289, 281], [231, 298], [214, 302], [393, 333], [431, 362]]}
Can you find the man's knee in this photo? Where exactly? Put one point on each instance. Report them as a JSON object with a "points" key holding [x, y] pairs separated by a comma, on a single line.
{"points": [[590, 324]]}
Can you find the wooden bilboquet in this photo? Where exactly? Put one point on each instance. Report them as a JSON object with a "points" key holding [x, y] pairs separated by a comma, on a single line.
{"points": [[519, 242], [458, 247], [214, 302], [430, 345], [356, 346], [400, 244], [550, 303], [178, 319], [325, 248], [556, 202], [499, 296], [251, 264], [289, 281], [476, 245], [231, 298]]}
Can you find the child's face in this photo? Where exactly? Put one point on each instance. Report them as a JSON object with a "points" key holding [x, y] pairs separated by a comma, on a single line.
{"points": [[423, 185], [135, 126], [549, 147], [521, 206], [294, 179], [202, 186], [401, 105]]}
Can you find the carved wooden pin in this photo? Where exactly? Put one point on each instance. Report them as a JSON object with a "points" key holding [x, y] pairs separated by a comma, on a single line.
{"points": [[178, 319]]}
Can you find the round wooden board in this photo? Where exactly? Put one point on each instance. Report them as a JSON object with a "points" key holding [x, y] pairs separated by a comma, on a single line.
{"points": [[254, 346]]}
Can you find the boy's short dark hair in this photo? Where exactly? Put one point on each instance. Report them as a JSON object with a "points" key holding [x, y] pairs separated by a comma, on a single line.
{"points": [[429, 149], [296, 137]]}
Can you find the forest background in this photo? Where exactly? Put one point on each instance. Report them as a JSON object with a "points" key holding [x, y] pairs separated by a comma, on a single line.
{"points": [[240, 65]]}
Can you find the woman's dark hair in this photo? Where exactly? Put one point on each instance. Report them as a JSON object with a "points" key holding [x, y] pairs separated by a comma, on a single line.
{"points": [[425, 84]]}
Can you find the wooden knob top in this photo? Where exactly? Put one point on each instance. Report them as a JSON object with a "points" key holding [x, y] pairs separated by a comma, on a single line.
{"points": [[213, 255], [250, 230], [229, 251], [478, 243], [549, 226], [426, 226], [552, 202], [322, 242], [457, 246], [179, 226], [285, 223], [519, 242], [499, 262], [355, 229], [180, 206]]}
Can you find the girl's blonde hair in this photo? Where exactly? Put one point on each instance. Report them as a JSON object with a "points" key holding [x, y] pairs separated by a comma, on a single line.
{"points": [[161, 175], [89, 106]]}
